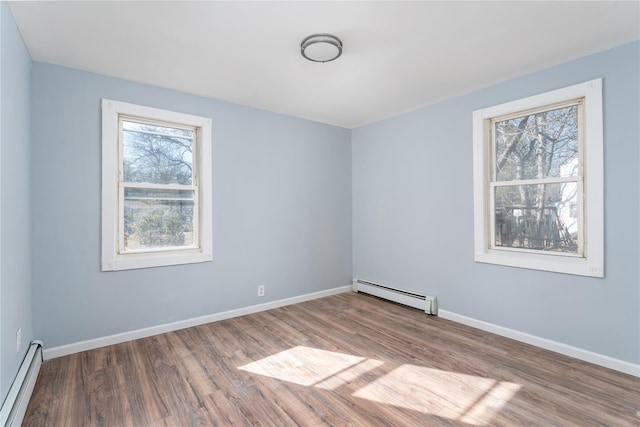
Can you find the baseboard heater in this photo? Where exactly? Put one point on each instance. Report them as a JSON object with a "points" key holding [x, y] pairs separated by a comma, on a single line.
{"points": [[427, 303], [15, 405]]}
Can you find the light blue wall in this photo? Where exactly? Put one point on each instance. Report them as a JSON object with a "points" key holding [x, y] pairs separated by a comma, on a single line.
{"points": [[413, 214], [15, 256], [281, 212], [284, 208]]}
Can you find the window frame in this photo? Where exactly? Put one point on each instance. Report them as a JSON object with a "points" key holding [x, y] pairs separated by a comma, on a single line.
{"points": [[113, 258], [591, 261]]}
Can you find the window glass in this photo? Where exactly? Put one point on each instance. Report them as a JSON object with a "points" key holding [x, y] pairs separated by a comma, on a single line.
{"points": [[537, 217], [542, 148], [540, 145], [158, 218], [157, 154]]}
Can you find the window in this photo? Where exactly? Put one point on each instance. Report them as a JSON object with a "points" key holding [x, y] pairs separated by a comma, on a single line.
{"points": [[156, 187], [538, 180]]}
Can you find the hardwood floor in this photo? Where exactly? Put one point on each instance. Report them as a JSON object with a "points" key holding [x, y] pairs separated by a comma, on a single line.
{"points": [[344, 360]]}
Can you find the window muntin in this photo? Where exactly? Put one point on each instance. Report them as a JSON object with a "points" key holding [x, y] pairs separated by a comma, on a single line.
{"points": [[156, 187], [522, 190]]}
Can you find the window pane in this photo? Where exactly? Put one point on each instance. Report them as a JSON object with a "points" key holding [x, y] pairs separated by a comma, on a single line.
{"points": [[158, 218], [157, 154], [541, 217], [537, 146]]}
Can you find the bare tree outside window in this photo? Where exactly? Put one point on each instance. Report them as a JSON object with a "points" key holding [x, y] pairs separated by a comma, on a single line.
{"points": [[157, 179], [536, 171]]}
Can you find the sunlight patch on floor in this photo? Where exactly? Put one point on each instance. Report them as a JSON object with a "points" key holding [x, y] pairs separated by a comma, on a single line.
{"points": [[312, 367], [471, 399], [466, 398]]}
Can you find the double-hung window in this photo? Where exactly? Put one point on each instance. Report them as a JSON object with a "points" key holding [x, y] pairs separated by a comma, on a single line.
{"points": [[156, 187], [538, 182]]}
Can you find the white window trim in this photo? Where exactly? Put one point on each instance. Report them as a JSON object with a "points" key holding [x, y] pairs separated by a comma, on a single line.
{"points": [[592, 263], [112, 260]]}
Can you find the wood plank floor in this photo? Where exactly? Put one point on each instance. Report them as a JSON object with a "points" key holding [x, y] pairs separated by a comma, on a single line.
{"points": [[344, 360]]}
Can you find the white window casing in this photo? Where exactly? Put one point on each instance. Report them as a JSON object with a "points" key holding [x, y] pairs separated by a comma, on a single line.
{"points": [[589, 259], [114, 257]]}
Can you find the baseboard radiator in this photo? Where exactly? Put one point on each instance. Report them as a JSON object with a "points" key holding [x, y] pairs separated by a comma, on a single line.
{"points": [[426, 303], [15, 405]]}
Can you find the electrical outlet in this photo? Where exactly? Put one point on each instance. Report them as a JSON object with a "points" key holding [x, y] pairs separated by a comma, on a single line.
{"points": [[260, 291], [18, 340]]}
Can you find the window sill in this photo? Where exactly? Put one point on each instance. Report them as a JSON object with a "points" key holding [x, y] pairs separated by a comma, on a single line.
{"points": [[545, 262], [149, 260]]}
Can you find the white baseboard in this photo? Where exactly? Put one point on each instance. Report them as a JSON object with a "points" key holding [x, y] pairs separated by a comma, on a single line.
{"points": [[578, 353], [567, 350], [63, 350]]}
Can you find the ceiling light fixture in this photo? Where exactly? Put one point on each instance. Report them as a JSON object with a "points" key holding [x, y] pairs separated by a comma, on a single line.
{"points": [[321, 47]]}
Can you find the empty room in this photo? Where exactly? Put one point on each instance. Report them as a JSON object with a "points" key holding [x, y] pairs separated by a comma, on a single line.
{"points": [[355, 213]]}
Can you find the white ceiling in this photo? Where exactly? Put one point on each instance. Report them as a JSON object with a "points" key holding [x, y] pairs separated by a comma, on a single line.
{"points": [[398, 56]]}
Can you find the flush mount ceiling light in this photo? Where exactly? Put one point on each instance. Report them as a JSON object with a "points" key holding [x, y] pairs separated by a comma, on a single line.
{"points": [[321, 47]]}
